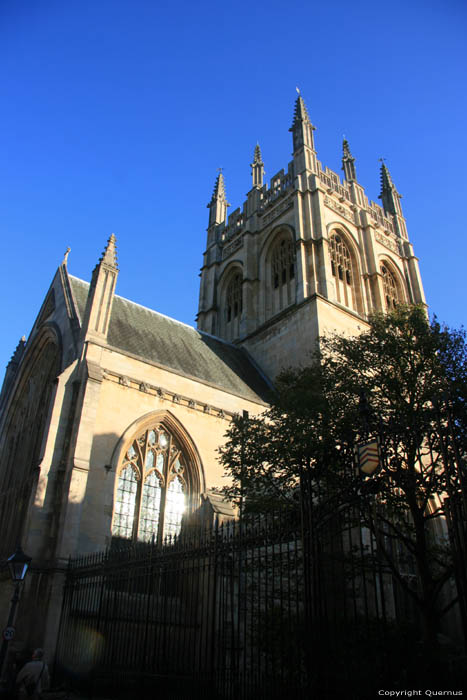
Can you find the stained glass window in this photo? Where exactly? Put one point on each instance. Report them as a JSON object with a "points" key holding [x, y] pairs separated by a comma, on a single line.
{"points": [[151, 492]]}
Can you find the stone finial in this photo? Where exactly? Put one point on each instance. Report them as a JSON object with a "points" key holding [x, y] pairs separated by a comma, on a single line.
{"points": [[257, 156], [109, 256], [65, 257], [302, 128], [218, 204], [257, 167], [219, 189], [346, 149], [98, 308], [389, 195], [348, 162], [300, 112]]}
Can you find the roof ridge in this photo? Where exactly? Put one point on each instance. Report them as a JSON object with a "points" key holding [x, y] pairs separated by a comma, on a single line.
{"points": [[169, 318]]}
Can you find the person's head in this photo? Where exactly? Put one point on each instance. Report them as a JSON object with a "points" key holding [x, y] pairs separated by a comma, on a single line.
{"points": [[38, 654]]}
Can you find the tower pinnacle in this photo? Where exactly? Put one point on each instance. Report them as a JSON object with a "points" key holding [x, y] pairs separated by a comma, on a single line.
{"points": [[389, 195], [98, 308], [257, 167], [303, 143], [218, 204], [109, 256], [348, 162]]}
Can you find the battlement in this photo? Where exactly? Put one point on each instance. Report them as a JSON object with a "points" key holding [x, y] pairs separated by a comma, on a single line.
{"points": [[265, 202]]}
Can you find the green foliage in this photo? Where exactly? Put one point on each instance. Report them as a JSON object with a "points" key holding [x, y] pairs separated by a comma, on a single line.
{"points": [[413, 377]]}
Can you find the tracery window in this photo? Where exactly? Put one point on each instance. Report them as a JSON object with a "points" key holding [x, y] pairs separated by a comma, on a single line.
{"points": [[390, 288], [234, 306], [347, 291], [283, 263], [341, 263], [151, 492]]}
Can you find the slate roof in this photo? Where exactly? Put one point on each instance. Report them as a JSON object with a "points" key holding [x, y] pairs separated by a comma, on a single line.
{"points": [[156, 338]]}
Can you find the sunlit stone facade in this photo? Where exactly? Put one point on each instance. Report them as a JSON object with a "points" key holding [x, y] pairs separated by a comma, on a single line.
{"points": [[111, 414]]}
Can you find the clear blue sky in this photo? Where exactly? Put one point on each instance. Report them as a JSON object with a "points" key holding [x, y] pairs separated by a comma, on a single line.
{"points": [[116, 114]]}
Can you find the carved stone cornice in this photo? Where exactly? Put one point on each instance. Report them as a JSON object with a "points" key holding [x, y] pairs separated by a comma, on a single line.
{"points": [[167, 395], [339, 209], [388, 242]]}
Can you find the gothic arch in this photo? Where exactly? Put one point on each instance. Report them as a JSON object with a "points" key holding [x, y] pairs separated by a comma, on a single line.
{"points": [[24, 429], [231, 301], [278, 271], [393, 286], [344, 261], [154, 454]]}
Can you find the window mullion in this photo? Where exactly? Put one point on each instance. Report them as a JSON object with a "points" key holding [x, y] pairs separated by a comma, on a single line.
{"points": [[165, 474], [138, 500]]}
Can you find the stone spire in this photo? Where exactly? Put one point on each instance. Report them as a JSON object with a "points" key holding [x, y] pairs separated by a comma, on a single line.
{"points": [[348, 163], [218, 204], [302, 128], [109, 256], [257, 167], [389, 195], [101, 294]]}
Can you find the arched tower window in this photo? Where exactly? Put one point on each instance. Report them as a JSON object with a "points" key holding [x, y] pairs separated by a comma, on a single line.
{"points": [[343, 271], [280, 287], [231, 305], [391, 294], [283, 263], [234, 305], [153, 487]]}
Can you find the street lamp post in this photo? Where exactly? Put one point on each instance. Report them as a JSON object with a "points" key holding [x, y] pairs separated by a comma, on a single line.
{"points": [[18, 565]]}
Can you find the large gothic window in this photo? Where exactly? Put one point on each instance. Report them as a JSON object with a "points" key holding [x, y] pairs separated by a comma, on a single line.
{"points": [[341, 268], [152, 489], [23, 436], [391, 295]]}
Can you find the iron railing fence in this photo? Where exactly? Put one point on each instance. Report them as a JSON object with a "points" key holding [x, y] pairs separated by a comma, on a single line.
{"points": [[255, 608]]}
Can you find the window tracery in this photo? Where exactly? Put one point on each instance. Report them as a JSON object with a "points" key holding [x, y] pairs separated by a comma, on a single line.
{"points": [[283, 263], [342, 270], [152, 490], [391, 294], [341, 263], [234, 306]]}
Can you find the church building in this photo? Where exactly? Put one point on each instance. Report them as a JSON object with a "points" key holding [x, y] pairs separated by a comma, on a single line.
{"points": [[111, 413]]}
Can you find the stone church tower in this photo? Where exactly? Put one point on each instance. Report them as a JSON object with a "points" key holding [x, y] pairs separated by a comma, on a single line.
{"points": [[307, 255]]}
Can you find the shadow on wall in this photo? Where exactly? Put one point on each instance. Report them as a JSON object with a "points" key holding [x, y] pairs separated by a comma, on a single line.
{"points": [[96, 516]]}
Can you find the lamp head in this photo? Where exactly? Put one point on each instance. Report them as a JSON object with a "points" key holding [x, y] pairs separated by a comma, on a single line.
{"points": [[18, 565]]}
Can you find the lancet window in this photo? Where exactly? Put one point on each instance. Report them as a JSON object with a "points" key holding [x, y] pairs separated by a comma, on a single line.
{"points": [[234, 306], [283, 263], [152, 489], [341, 263], [342, 270], [391, 295]]}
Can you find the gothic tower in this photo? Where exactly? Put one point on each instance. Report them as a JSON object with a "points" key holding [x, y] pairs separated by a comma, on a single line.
{"points": [[306, 255]]}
